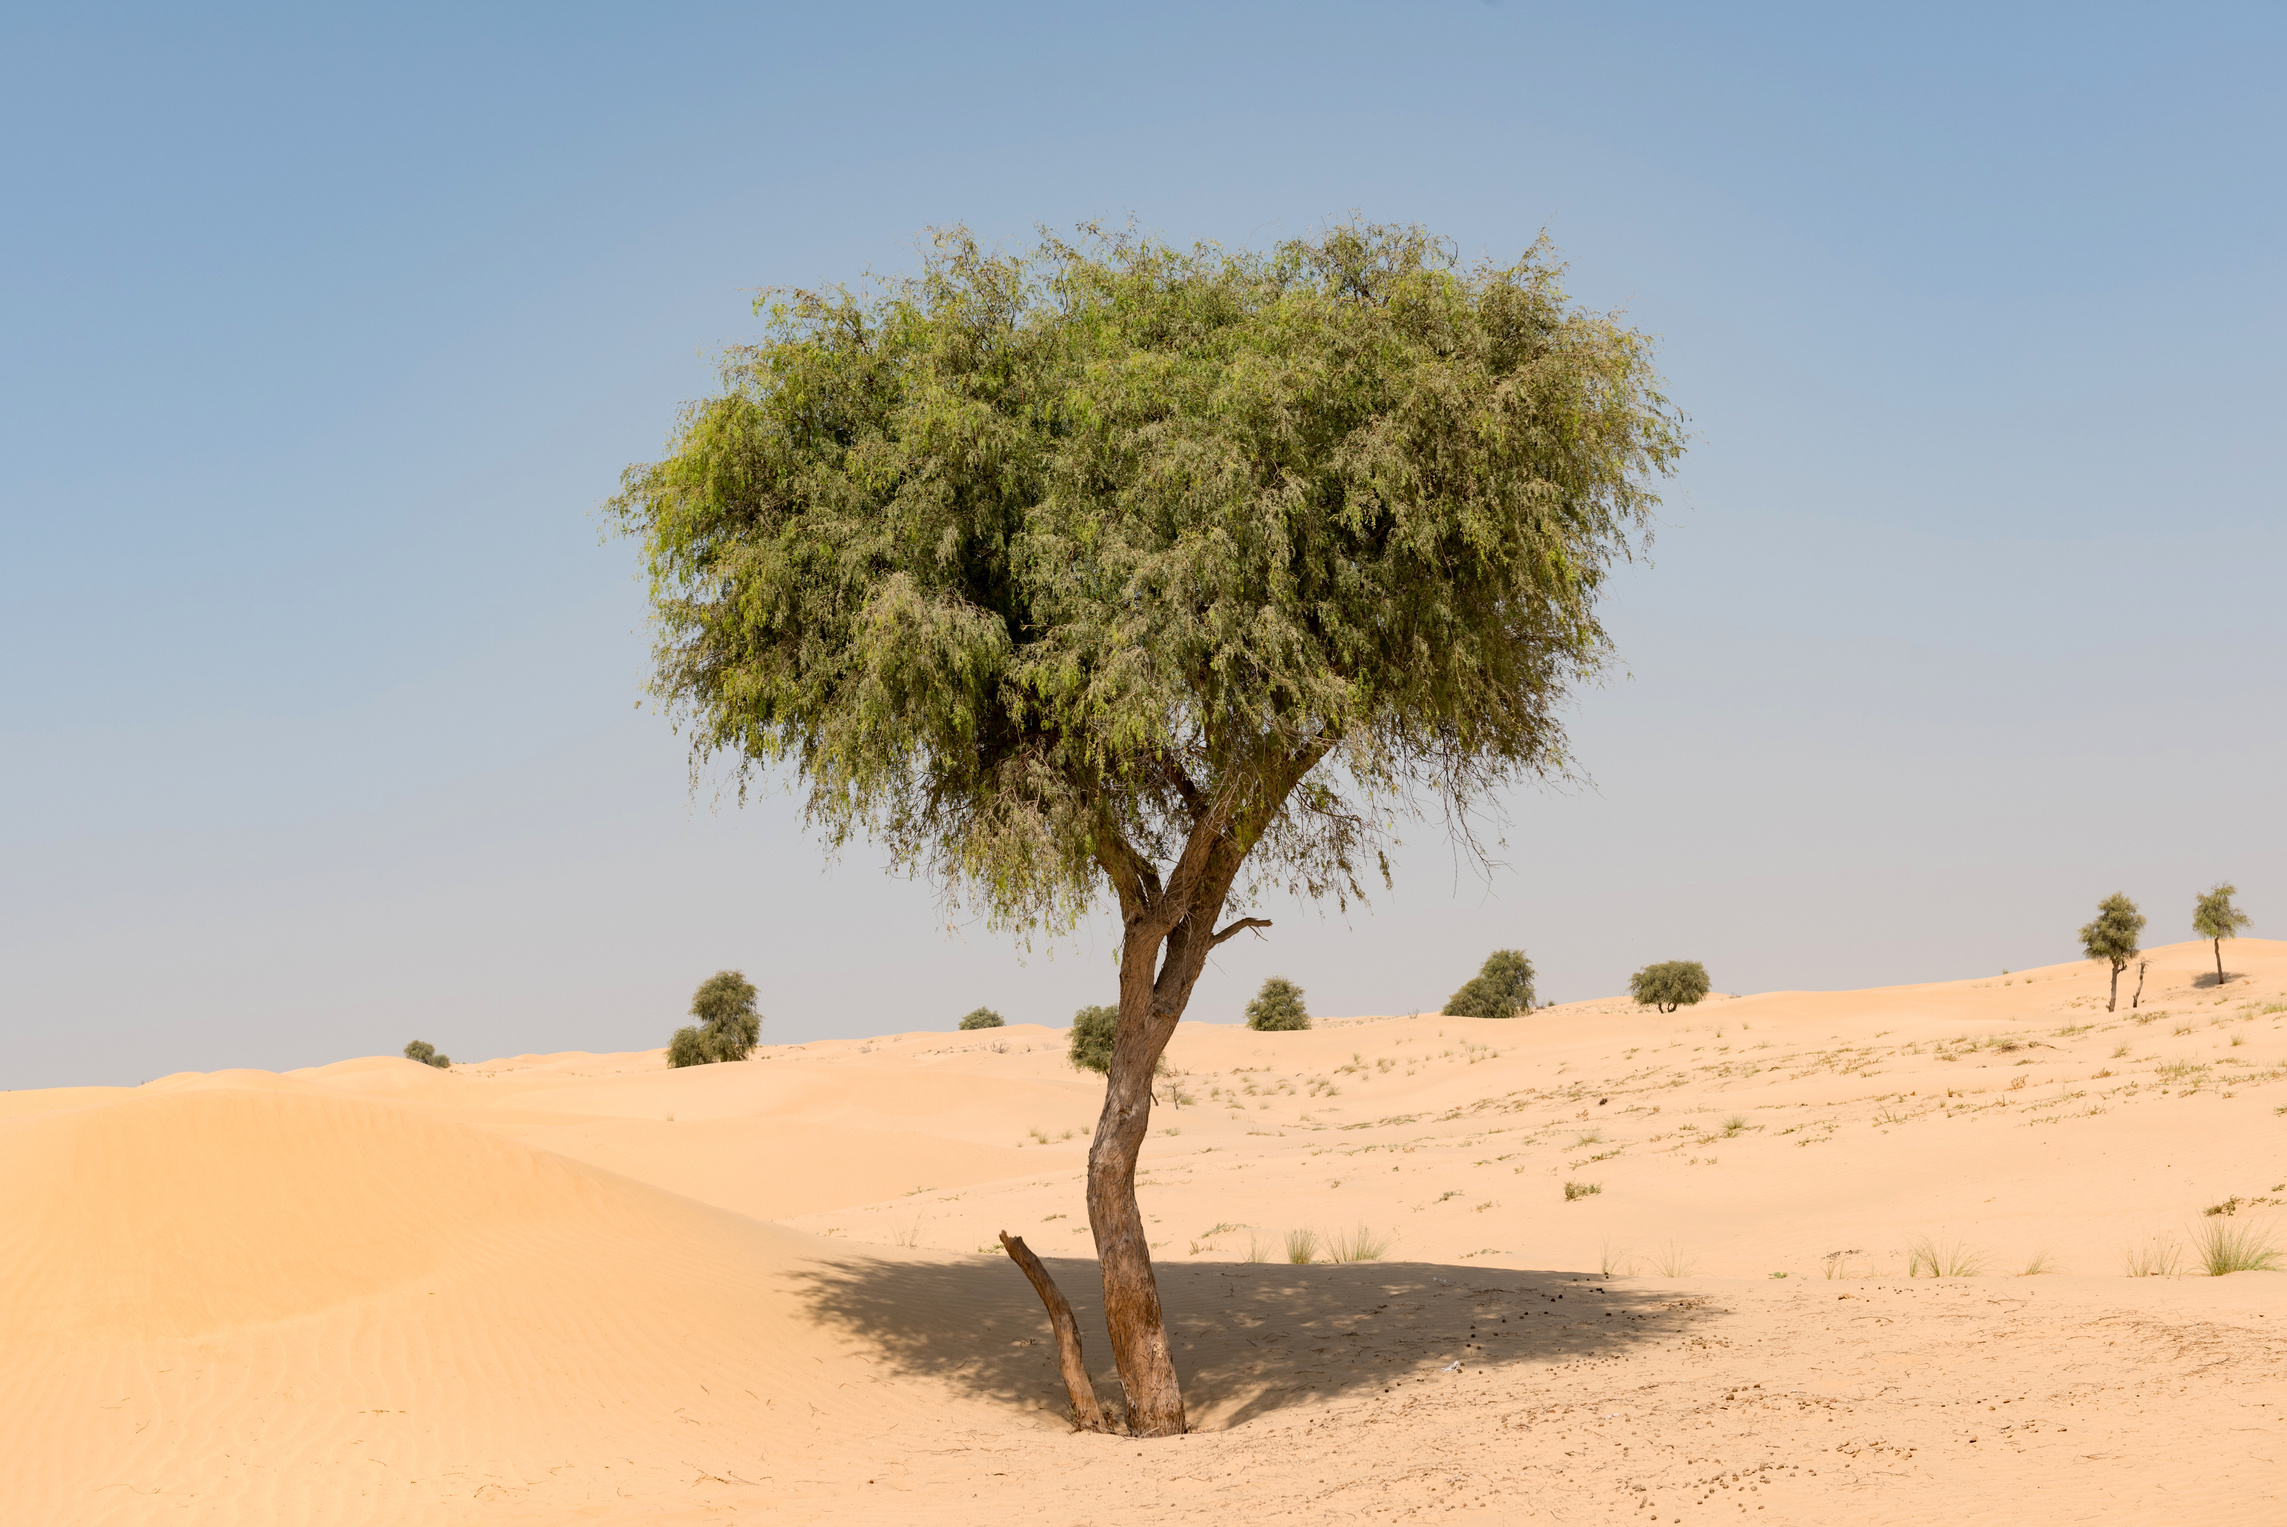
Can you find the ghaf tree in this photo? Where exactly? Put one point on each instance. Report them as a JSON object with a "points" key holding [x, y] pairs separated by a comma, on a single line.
{"points": [[2215, 919], [2112, 937], [1168, 573]]}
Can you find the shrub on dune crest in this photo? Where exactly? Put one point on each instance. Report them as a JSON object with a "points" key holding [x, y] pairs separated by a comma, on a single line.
{"points": [[1278, 1008], [1669, 985], [427, 1054], [728, 1028], [984, 1018], [1503, 988]]}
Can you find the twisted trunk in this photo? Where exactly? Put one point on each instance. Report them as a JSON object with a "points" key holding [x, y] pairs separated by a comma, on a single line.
{"points": [[1167, 933]]}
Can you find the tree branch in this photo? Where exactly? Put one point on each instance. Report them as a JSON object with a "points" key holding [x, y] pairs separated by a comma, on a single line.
{"points": [[1241, 926]]}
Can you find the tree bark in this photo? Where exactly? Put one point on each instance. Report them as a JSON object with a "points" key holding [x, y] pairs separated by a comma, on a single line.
{"points": [[2137, 1001], [2113, 1001], [1087, 1415], [2219, 962]]}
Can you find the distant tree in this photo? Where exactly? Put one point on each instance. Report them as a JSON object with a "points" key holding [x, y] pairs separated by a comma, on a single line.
{"points": [[1503, 988], [728, 1028], [1669, 985], [984, 1018], [2112, 938], [2216, 919], [1278, 1007], [427, 1054], [1093, 1030], [1119, 568]]}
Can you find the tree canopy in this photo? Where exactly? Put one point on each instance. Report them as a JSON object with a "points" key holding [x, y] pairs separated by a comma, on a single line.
{"points": [[1112, 566], [1670, 984], [1502, 988], [1023, 561], [983, 1018]]}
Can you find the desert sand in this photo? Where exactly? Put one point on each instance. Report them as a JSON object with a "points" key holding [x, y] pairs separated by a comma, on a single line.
{"points": [[587, 1289]]}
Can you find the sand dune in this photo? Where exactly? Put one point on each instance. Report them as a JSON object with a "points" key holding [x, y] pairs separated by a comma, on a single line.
{"points": [[585, 1288]]}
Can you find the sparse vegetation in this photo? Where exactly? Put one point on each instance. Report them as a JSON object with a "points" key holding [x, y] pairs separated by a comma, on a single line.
{"points": [[1278, 1008], [729, 1026], [1092, 1031], [1573, 1190], [984, 1018], [2112, 938], [2227, 1246], [1301, 1246], [427, 1054], [1669, 985], [2215, 919], [1502, 988]]}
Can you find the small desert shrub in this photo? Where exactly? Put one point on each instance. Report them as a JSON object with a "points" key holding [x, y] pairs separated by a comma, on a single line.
{"points": [[1502, 988], [1669, 985], [1360, 1245], [1301, 1246], [1573, 1190], [427, 1054], [1733, 1125], [1278, 1008], [984, 1018], [1092, 1031], [2226, 1246], [728, 1026], [1928, 1257]]}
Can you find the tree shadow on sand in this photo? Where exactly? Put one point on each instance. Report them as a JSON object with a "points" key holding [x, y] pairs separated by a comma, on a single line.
{"points": [[1249, 1338]]}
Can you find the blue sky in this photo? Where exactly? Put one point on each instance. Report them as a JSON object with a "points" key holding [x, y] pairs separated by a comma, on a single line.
{"points": [[322, 337]]}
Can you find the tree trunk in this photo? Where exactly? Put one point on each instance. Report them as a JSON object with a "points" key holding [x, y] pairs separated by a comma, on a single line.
{"points": [[1131, 1293], [1087, 1415], [2137, 1001], [2113, 1001], [2219, 962]]}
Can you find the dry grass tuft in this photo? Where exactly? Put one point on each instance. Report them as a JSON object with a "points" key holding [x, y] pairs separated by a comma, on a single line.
{"points": [[1360, 1245], [1928, 1257], [1301, 1246], [2160, 1257], [2228, 1246], [1573, 1190]]}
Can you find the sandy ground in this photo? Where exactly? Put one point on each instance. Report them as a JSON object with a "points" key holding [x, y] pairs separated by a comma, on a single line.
{"points": [[586, 1289]]}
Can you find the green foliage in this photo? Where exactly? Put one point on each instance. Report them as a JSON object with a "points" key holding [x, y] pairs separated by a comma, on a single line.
{"points": [[2215, 918], [1278, 1007], [427, 1054], [1030, 563], [984, 1018], [1669, 985], [1092, 1031], [2112, 937], [729, 1026], [1503, 988]]}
